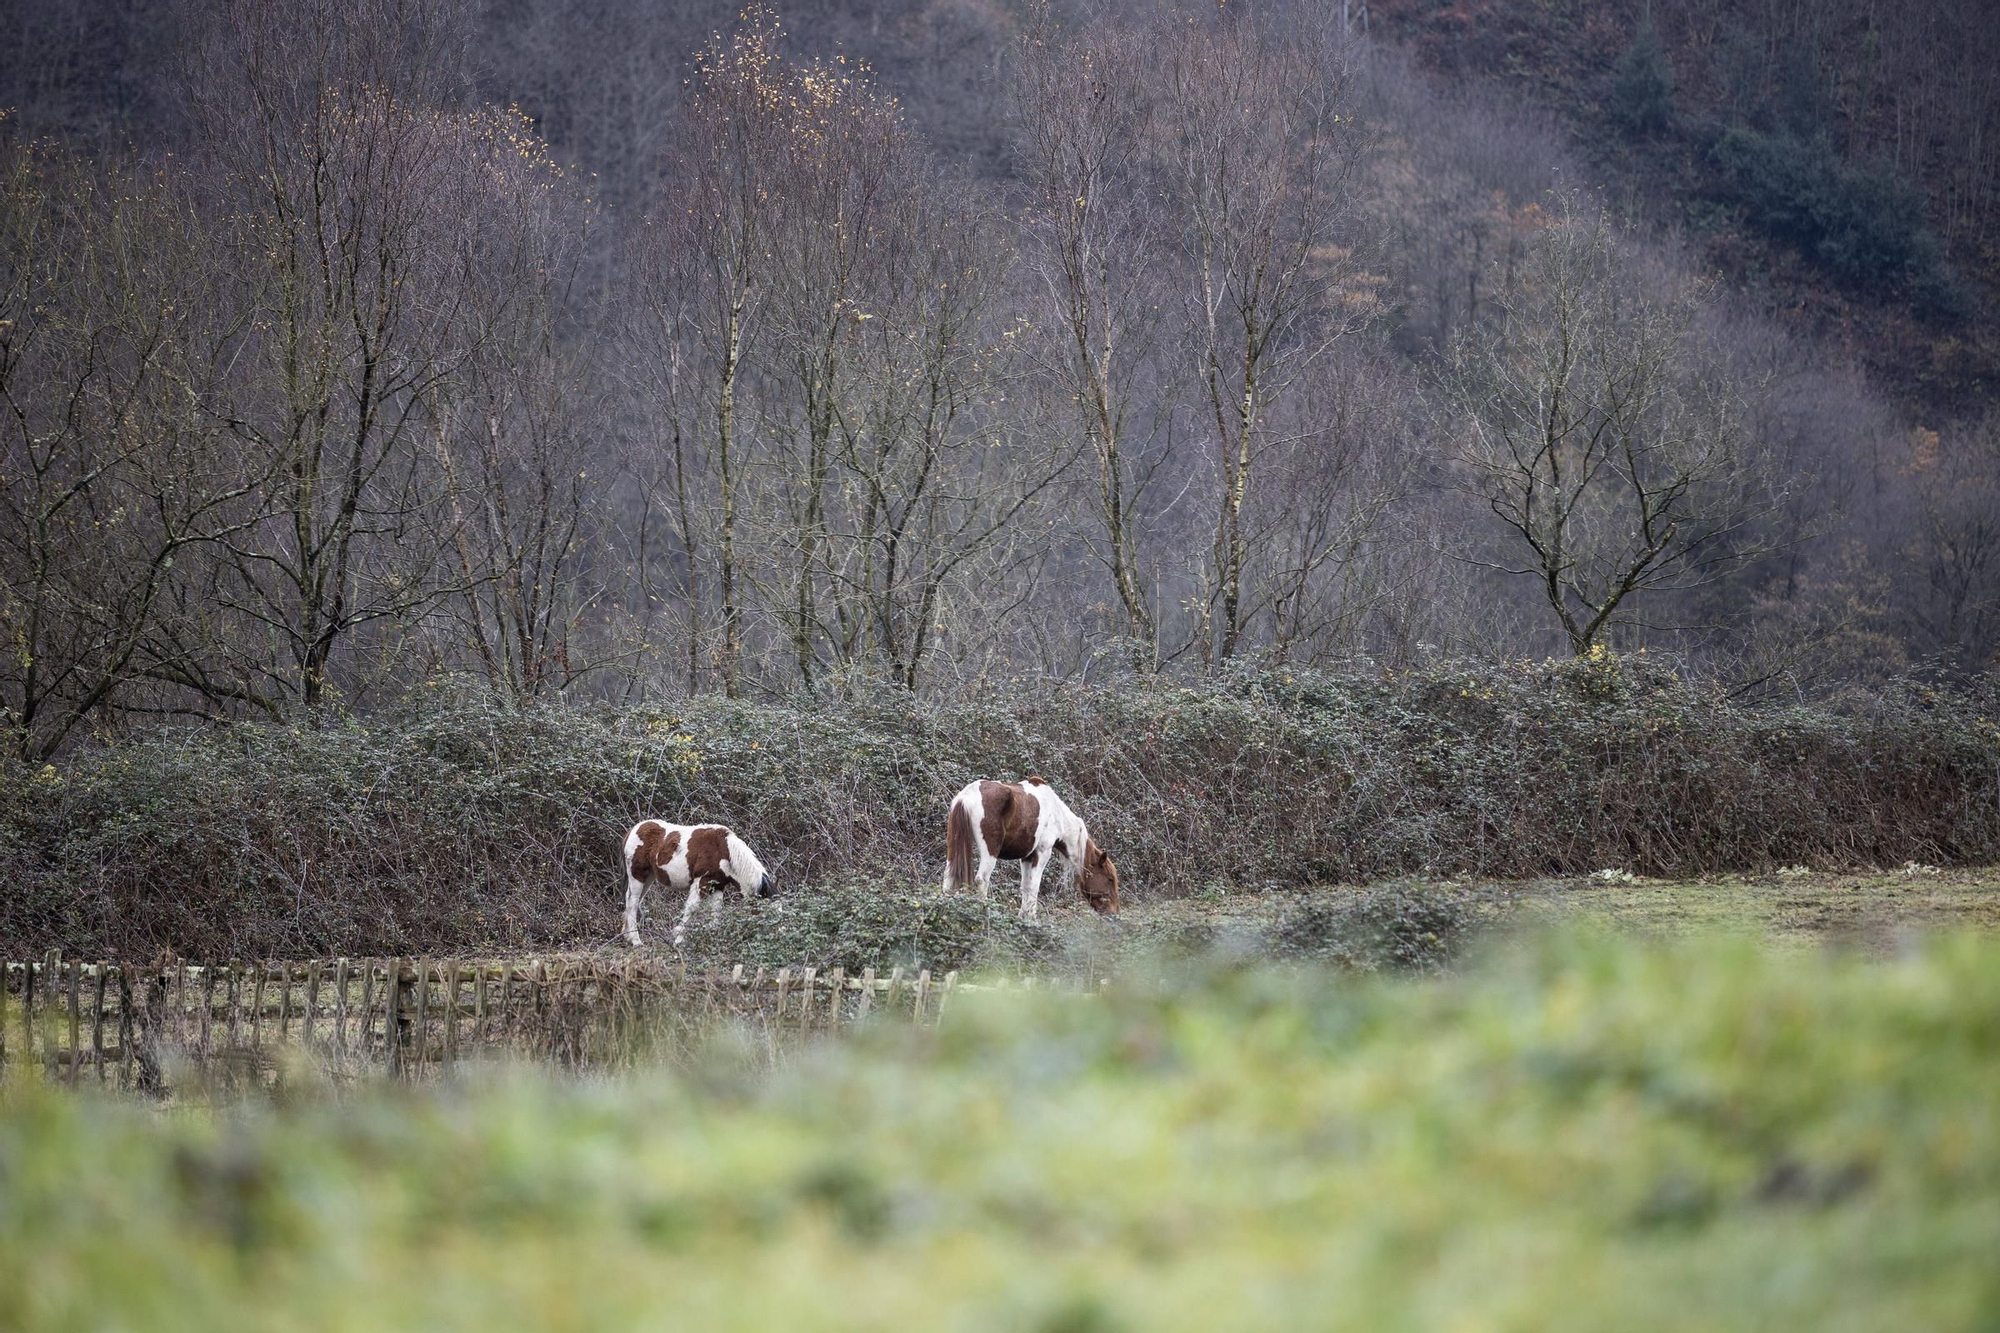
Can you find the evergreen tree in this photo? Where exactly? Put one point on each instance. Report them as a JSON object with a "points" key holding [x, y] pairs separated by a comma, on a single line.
{"points": [[1642, 88]]}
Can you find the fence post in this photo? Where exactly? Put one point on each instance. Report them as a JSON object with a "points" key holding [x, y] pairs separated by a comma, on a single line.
{"points": [[207, 1005], [28, 1011], [421, 1047], [128, 1032], [479, 1034], [259, 973], [867, 994], [75, 1042], [180, 1004], [392, 1016], [235, 1004], [807, 994], [839, 979], [127, 1027], [52, 989], [545, 1006], [97, 1022], [150, 1077], [950, 984], [341, 1005], [376, 990], [923, 990], [448, 988], [312, 1004]]}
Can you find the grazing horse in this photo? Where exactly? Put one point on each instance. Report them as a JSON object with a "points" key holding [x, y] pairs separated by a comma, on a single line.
{"points": [[687, 856], [992, 822]]}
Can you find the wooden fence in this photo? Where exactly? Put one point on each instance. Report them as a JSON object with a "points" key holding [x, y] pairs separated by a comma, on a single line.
{"points": [[139, 1026]]}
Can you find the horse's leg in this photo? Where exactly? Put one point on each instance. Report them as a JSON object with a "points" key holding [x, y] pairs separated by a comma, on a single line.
{"points": [[635, 888], [694, 901], [1031, 885], [987, 862]]}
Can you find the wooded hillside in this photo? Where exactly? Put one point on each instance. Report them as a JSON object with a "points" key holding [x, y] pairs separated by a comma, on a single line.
{"points": [[626, 352]]}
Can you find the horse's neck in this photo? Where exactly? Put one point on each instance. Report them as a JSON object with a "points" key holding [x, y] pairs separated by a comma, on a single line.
{"points": [[1071, 830]]}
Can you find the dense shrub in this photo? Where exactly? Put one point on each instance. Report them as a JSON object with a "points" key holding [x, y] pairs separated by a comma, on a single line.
{"points": [[861, 923], [463, 824], [1864, 223], [1416, 926]]}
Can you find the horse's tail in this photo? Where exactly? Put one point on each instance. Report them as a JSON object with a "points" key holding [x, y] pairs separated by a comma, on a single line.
{"points": [[959, 852]]}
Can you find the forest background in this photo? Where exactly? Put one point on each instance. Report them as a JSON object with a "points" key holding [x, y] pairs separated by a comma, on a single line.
{"points": [[620, 351]]}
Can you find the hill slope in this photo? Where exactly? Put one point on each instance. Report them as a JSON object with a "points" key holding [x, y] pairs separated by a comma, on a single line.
{"points": [[1840, 161]]}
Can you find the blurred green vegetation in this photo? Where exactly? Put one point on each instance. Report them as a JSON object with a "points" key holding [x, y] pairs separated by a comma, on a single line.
{"points": [[1579, 1132]]}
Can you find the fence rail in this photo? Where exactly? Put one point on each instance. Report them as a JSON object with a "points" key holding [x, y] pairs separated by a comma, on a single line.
{"points": [[138, 1025]]}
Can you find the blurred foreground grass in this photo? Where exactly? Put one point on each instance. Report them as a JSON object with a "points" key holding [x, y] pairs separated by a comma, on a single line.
{"points": [[1577, 1132]]}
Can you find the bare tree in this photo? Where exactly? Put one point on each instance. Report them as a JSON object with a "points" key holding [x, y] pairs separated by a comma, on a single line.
{"points": [[1094, 246], [111, 480], [1950, 548], [514, 425], [940, 472], [1339, 460], [846, 158], [1598, 427], [1258, 145], [331, 132], [662, 372], [706, 260]]}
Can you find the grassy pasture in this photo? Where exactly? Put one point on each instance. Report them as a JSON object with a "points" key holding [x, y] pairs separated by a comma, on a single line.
{"points": [[1580, 1130], [1745, 1102], [1872, 909]]}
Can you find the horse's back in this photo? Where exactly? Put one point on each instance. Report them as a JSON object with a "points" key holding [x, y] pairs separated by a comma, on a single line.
{"points": [[650, 845], [1010, 822]]}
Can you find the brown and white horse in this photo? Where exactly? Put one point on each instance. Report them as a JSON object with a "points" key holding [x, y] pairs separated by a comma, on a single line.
{"points": [[991, 822], [687, 857]]}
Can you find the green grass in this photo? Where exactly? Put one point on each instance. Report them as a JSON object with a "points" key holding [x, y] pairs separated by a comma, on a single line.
{"points": [[1582, 1131], [1870, 908], [1875, 909]]}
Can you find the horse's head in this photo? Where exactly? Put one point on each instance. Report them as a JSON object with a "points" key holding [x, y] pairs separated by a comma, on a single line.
{"points": [[767, 887], [1097, 877]]}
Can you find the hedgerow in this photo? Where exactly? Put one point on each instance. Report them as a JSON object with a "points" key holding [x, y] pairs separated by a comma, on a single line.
{"points": [[457, 823]]}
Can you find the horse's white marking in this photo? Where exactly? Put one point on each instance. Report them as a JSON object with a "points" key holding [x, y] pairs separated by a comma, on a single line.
{"points": [[1054, 822], [739, 866]]}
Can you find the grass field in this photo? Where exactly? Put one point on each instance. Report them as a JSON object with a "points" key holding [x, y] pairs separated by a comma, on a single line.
{"points": [[1627, 1110], [1872, 909]]}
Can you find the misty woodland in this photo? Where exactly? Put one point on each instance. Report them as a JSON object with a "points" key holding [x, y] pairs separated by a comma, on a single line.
{"points": [[348, 349]]}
